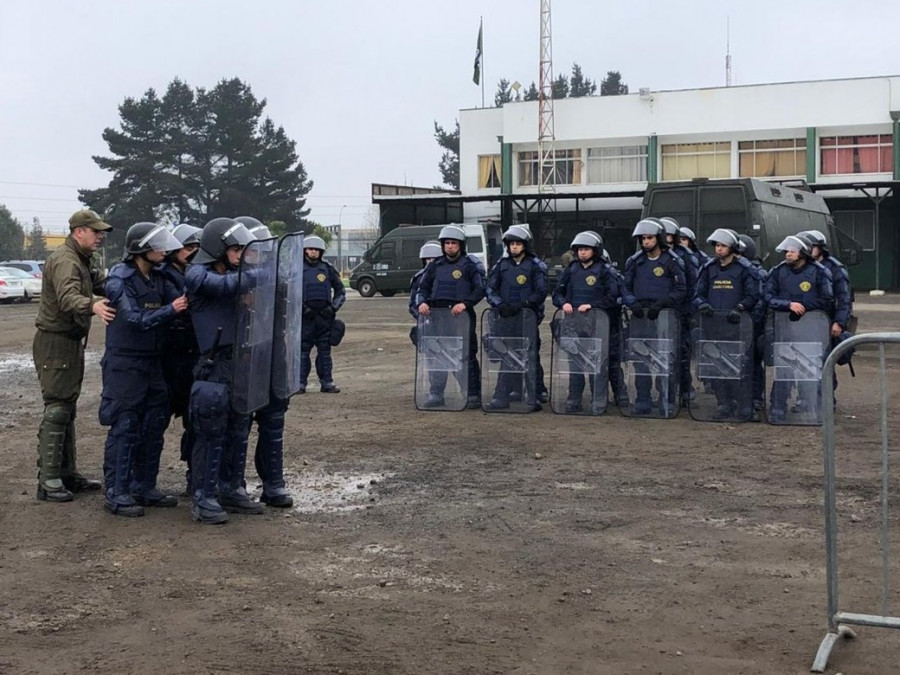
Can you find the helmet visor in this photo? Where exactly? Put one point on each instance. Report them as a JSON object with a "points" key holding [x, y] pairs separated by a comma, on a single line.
{"points": [[159, 239]]}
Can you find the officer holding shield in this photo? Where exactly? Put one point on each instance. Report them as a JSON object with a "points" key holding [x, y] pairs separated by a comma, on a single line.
{"points": [[135, 401], [797, 285], [456, 281], [213, 288], [519, 281]]}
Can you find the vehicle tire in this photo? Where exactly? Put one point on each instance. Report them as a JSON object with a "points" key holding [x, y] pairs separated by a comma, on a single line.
{"points": [[366, 288], [389, 294]]}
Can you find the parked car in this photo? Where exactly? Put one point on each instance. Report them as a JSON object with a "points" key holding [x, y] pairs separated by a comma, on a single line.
{"points": [[31, 285], [34, 267], [11, 286]]}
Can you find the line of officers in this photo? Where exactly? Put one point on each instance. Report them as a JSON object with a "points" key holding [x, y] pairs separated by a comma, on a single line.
{"points": [[176, 308], [668, 272]]}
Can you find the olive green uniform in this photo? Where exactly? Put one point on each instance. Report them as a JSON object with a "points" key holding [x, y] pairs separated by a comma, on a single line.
{"points": [[70, 282]]}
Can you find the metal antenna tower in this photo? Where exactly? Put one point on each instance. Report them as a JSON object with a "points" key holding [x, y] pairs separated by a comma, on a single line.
{"points": [[728, 51], [546, 135]]}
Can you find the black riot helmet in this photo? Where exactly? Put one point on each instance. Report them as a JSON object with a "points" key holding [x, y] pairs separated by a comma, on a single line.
{"points": [[217, 236], [255, 227], [187, 234], [817, 239], [749, 250], [145, 237]]}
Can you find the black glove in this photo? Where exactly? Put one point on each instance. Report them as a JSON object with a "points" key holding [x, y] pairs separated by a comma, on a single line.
{"points": [[793, 316], [638, 310], [327, 313], [505, 310], [655, 309], [734, 316], [706, 309], [308, 312]]}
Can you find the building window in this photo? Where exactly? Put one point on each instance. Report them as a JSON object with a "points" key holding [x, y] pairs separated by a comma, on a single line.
{"points": [[624, 164], [567, 162], [856, 154], [683, 161], [858, 225], [762, 159], [488, 171]]}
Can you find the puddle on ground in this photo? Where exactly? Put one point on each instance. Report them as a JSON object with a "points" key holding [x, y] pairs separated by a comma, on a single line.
{"points": [[16, 363], [319, 491]]}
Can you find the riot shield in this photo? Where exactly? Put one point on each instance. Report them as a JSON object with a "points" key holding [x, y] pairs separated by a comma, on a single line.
{"points": [[579, 362], [652, 368], [254, 321], [798, 351], [288, 329], [442, 361], [509, 361], [721, 362]]}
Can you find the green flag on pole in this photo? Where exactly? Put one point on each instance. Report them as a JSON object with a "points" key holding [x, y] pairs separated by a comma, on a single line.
{"points": [[476, 77]]}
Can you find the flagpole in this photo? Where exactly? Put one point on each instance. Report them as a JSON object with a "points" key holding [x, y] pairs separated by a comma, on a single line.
{"points": [[480, 32]]}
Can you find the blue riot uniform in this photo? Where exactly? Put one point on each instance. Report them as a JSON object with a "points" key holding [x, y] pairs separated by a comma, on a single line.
{"points": [[515, 286], [843, 299], [220, 447], [445, 283], [811, 286], [733, 288], [179, 360], [134, 401], [758, 314], [323, 296], [652, 285], [601, 286]]}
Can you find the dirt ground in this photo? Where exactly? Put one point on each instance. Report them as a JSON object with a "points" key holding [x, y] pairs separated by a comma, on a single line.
{"points": [[430, 542]]}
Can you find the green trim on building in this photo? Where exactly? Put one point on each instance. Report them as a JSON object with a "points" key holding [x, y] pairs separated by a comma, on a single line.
{"points": [[506, 168], [652, 159], [810, 154], [896, 149]]}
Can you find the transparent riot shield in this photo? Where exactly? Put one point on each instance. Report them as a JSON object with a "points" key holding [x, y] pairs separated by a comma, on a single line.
{"points": [[255, 319], [798, 350], [579, 362], [442, 361], [721, 362], [509, 361], [288, 329], [651, 360]]}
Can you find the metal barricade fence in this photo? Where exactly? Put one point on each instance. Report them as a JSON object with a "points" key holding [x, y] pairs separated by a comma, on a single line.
{"points": [[838, 619]]}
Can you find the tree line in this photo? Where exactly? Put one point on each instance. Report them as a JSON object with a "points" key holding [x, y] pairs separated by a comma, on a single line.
{"points": [[575, 85]]}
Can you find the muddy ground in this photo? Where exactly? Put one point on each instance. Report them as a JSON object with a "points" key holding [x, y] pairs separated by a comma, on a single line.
{"points": [[451, 542]]}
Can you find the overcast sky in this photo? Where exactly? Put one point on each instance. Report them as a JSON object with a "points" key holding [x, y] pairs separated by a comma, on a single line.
{"points": [[358, 84]]}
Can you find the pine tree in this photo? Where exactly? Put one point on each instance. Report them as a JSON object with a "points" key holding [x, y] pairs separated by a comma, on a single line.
{"points": [[449, 164]]}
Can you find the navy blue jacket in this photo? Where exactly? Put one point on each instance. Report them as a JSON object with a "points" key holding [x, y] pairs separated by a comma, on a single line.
{"points": [[843, 300], [654, 280], [523, 283], [735, 285], [213, 300], [143, 310], [445, 283], [810, 285], [597, 285], [322, 286]]}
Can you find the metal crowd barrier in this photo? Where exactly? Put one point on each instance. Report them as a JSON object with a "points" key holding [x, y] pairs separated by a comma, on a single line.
{"points": [[838, 618]]}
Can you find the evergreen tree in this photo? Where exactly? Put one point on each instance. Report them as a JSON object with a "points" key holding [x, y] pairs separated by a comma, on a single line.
{"points": [[579, 85], [194, 155], [504, 93], [561, 86], [37, 245], [612, 84], [12, 236], [449, 164], [532, 94]]}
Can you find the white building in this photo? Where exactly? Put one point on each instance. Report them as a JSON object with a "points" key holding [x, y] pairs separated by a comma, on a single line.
{"points": [[840, 137]]}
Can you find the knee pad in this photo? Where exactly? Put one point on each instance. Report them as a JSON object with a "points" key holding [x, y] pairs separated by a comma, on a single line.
{"points": [[59, 413], [209, 407]]}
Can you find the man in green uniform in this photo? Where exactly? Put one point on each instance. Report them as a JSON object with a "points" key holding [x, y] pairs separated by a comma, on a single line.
{"points": [[71, 280]]}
